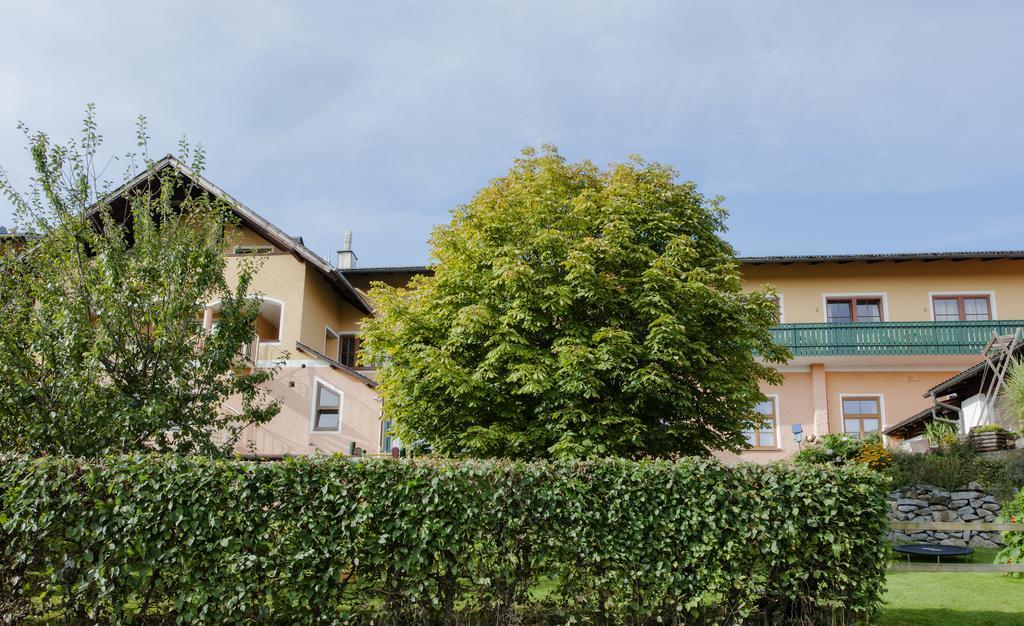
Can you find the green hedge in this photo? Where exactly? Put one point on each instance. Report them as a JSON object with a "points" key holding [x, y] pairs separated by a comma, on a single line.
{"points": [[331, 540]]}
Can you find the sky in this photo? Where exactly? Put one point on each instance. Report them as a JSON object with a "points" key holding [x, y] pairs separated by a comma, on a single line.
{"points": [[829, 127]]}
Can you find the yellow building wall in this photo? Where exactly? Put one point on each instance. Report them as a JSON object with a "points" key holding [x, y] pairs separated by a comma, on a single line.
{"points": [[322, 306], [906, 285], [795, 405], [309, 303], [901, 393], [290, 431]]}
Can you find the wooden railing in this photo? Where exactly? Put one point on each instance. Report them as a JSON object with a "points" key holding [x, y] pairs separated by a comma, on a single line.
{"points": [[958, 567], [890, 338]]}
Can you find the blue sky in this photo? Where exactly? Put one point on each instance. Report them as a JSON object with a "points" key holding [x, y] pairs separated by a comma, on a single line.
{"points": [[828, 126]]}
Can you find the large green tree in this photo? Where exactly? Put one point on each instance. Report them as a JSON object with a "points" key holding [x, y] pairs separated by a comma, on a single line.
{"points": [[575, 311], [102, 349]]}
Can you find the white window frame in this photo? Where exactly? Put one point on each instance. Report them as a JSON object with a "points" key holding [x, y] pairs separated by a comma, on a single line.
{"points": [[317, 381], [774, 397], [254, 249], [866, 394], [882, 295], [938, 294]]}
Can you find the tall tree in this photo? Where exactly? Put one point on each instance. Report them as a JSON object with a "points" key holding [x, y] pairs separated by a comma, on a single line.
{"points": [[102, 348], [575, 311]]}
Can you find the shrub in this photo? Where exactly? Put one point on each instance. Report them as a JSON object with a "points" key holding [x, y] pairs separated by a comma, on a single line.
{"points": [[874, 455], [838, 448], [1013, 512], [940, 433], [957, 464], [949, 467], [330, 540], [989, 428], [1015, 469]]}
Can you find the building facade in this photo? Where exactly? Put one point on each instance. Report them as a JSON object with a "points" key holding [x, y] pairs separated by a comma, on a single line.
{"points": [[307, 328], [869, 336]]}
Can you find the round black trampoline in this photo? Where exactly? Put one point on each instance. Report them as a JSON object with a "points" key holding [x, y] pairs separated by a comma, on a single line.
{"points": [[938, 551]]}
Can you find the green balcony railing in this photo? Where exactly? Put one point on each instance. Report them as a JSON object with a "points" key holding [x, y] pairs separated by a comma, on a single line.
{"points": [[890, 338]]}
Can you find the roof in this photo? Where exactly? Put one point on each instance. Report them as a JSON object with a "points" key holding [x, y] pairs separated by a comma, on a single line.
{"points": [[263, 227], [8, 234], [914, 420], [965, 384], [397, 269], [881, 257], [962, 377], [811, 259]]}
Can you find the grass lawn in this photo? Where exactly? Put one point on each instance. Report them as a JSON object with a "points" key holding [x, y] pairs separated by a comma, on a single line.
{"points": [[916, 598]]}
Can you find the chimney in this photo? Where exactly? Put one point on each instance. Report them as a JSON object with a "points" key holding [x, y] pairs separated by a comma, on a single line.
{"points": [[346, 258]]}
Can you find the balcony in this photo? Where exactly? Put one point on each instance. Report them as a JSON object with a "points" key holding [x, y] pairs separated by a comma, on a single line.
{"points": [[890, 338]]}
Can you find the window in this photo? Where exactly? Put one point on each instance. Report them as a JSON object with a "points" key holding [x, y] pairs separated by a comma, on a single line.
{"points": [[862, 416], [254, 249], [962, 308], [764, 435], [349, 350], [327, 411], [386, 440], [839, 310]]}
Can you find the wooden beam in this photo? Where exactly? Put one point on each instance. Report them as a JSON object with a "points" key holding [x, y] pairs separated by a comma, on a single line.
{"points": [[958, 526], [957, 567]]}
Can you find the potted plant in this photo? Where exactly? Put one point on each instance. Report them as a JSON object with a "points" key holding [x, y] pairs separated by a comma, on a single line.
{"points": [[940, 434], [991, 437]]}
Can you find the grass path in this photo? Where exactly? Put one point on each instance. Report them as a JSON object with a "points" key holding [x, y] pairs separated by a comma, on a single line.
{"points": [[957, 599]]}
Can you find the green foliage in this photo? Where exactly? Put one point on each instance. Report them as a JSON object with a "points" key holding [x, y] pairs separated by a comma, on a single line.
{"points": [[101, 344], [949, 467], [874, 454], [577, 312], [1013, 391], [1013, 552], [333, 540], [1015, 469], [940, 433], [989, 428], [835, 448]]}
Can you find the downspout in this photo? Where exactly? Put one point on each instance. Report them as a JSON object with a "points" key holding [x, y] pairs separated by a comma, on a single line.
{"points": [[959, 422]]}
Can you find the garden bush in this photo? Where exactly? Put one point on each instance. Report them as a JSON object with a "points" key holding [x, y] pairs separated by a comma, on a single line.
{"points": [[1015, 468], [1013, 552], [333, 540], [956, 464], [840, 448]]}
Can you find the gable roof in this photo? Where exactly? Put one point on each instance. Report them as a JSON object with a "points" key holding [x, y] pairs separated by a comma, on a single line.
{"points": [[810, 259], [260, 225], [881, 257]]}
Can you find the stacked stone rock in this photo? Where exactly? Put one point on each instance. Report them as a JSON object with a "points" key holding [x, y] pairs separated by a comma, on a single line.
{"points": [[925, 503]]}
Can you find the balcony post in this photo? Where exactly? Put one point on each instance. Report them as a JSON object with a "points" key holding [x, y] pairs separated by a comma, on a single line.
{"points": [[819, 393]]}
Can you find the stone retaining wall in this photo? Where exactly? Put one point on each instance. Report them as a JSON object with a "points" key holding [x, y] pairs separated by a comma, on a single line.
{"points": [[924, 503]]}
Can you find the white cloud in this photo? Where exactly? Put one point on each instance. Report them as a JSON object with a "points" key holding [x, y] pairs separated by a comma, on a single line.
{"points": [[383, 116]]}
